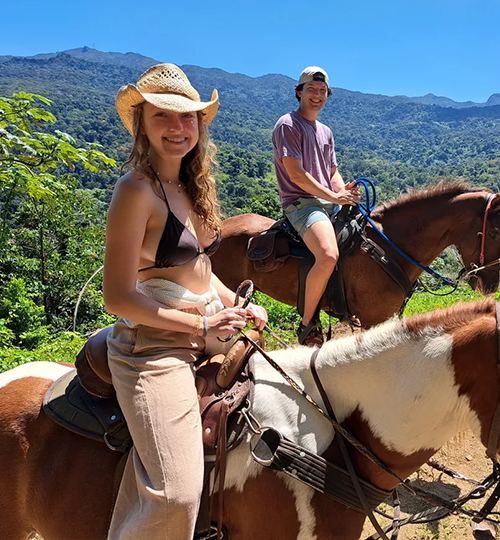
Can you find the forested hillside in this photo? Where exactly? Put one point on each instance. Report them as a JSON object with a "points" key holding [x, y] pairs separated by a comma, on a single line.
{"points": [[395, 141], [54, 188]]}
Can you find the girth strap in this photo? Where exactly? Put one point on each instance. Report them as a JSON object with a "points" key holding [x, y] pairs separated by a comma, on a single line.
{"points": [[274, 451]]}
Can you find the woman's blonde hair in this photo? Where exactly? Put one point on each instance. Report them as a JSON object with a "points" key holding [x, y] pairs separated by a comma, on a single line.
{"points": [[197, 169]]}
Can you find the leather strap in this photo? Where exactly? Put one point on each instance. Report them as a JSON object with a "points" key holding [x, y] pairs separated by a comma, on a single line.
{"points": [[390, 266], [489, 200], [278, 453], [344, 451], [494, 436], [204, 518], [220, 464]]}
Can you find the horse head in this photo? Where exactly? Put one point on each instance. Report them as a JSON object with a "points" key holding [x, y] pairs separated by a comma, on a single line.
{"points": [[480, 248]]}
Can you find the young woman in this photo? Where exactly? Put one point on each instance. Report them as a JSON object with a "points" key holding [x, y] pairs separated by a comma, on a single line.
{"points": [[163, 224]]}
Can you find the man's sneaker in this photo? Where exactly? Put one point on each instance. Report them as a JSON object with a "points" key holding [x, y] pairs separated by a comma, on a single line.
{"points": [[310, 335]]}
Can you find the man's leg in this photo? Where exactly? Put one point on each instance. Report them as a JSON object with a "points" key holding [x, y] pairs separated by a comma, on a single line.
{"points": [[321, 241]]}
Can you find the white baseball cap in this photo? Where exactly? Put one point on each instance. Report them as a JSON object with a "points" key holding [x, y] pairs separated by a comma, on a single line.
{"points": [[314, 73]]}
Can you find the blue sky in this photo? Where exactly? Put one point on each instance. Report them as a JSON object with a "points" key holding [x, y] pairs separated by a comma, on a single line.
{"points": [[448, 48]]}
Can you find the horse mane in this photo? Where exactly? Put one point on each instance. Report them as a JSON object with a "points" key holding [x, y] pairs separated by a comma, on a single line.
{"points": [[466, 321], [451, 317], [450, 188]]}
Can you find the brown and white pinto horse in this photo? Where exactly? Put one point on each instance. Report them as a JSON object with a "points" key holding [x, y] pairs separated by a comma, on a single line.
{"points": [[422, 223], [402, 388]]}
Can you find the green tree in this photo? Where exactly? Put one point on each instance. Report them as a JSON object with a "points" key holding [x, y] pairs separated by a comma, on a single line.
{"points": [[51, 232], [30, 159]]}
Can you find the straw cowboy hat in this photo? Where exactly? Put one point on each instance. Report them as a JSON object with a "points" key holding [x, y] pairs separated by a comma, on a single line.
{"points": [[167, 87]]}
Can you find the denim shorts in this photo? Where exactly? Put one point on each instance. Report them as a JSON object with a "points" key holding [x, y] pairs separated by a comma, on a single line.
{"points": [[305, 212]]}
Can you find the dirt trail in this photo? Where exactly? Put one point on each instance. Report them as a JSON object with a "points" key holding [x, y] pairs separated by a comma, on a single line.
{"points": [[463, 454]]}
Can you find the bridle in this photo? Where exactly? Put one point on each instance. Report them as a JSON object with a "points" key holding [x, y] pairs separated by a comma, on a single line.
{"points": [[489, 200], [464, 274], [475, 269]]}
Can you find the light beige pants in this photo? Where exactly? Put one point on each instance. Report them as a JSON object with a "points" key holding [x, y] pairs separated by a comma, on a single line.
{"points": [[153, 375]]}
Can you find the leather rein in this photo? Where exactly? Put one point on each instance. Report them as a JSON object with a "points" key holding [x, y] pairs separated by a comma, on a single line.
{"points": [[464, 274]]}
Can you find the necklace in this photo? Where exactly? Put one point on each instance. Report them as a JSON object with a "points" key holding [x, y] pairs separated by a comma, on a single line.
{"points": [[179, 186]]}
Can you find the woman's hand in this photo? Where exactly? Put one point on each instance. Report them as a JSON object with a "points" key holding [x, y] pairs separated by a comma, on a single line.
{"points": [[227, 322], [258, 314]]}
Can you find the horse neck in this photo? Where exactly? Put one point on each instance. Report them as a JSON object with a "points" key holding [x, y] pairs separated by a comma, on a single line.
{"points": [[393, 387], [423, 228]]}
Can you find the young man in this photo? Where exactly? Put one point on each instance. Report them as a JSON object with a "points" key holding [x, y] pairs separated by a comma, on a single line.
{"points": [[311, 188]]}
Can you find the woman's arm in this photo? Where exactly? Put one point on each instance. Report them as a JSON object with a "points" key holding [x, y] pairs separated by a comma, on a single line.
{"points": [[130, 210]]}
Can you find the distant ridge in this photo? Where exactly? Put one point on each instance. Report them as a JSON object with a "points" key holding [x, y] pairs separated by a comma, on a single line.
{"points": [[396, 141], [431, 99], [130, 59], [494, 99], [136, 61]]}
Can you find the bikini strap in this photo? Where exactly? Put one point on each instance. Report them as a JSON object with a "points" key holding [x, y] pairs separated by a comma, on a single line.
{"points": [[162, 188]]}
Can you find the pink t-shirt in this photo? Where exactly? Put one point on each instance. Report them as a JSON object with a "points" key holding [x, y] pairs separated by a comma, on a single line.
{"points": [[311, 142]]}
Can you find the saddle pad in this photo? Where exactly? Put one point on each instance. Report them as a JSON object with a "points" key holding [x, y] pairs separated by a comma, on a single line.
{"points": [[67, 403]]}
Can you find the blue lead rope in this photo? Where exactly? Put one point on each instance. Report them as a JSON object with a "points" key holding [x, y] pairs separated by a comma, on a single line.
{"points": [[366, 210]]}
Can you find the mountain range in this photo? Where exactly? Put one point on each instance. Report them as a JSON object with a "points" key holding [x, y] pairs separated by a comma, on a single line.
{"points": [[140, 62], [400, 141]]}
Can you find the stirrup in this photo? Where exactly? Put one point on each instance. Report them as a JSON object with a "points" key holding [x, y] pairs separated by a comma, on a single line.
{"points": [[354, 321], [312, 330]]}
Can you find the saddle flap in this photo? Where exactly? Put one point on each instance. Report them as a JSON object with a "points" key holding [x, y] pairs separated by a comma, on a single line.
{"points": [[348, 233], [269, 250], [262, 245], [69, 405]]}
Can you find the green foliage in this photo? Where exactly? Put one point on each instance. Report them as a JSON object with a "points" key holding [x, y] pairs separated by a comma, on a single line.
{"points": [[422, 302], [52, 232], [61, 347], [20, 316], [29, 158], [7, 336], [280, 315]]}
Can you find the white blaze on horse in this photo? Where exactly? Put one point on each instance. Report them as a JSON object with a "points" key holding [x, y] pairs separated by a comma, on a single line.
{"points": [[402, 388]]}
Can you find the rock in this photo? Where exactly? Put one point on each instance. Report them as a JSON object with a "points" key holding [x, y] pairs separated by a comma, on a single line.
{"points": [[484, 530]]}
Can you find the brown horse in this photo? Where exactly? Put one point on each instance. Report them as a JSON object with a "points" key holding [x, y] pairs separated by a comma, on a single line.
{"points": [[422, 224], [402, 388]]}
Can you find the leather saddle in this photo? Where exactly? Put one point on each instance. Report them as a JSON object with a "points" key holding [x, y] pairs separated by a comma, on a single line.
{"points": [[85, 402], [270, 250]]}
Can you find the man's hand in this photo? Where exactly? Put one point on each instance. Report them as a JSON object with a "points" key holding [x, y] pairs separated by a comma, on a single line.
{"points": [[349, 194]]}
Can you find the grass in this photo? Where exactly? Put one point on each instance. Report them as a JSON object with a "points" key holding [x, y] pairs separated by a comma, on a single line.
{"points": [[283, 320]]}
